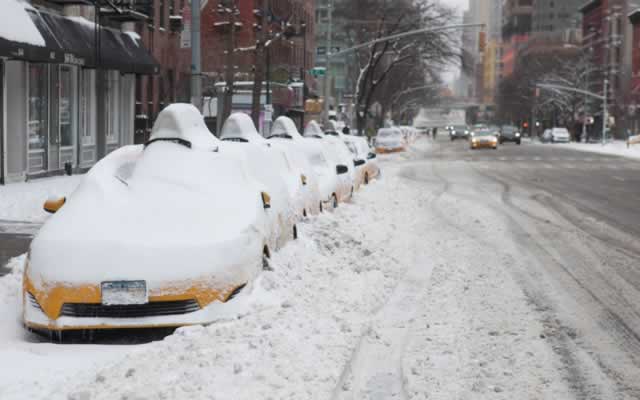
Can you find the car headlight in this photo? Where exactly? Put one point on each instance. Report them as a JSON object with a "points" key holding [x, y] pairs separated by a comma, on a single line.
{"points": [[466, 132], [517, 134]]}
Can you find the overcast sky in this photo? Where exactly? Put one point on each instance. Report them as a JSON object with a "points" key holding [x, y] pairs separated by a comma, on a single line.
{"points": [[460, 5]]}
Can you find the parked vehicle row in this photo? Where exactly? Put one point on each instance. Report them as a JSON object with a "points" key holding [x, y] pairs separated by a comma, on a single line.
{"points": [[164, 234]]}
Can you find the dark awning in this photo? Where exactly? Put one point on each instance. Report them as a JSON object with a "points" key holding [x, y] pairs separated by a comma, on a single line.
{"points": [[73, 41]]}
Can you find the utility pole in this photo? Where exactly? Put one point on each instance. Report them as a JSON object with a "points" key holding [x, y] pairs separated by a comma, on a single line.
{"points": [[327, 73], [260, 64], [196, 66]]}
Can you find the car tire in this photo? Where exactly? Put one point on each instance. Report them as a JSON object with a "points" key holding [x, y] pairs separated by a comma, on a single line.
{"points": [[321, 208], [518, 143], [304, 213], [295, 232], [366, 179], [334, 201]]}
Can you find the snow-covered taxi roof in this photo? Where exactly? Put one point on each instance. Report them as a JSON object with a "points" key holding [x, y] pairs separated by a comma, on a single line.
{"points": [[313, 129], [240, 126], [183, 122], [285, 127]]}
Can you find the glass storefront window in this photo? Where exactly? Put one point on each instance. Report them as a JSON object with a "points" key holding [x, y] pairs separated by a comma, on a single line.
{"points": [[66, 106], [38, 106]]}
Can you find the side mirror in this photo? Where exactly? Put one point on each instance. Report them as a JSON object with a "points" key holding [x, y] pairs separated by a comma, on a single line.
{"points": [[371, 156], [52, 205], [342, 169], [266, 200], [358, 163]]}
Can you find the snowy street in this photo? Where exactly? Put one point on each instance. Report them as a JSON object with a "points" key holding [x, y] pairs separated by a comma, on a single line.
{"points": [[504, 274]]}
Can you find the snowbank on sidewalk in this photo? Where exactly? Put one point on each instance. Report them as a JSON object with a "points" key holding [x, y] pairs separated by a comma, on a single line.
{"points": [[616, 148], [24, 201]]}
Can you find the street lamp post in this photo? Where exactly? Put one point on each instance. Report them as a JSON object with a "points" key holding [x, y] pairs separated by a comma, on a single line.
{"points": [[327, 74]]}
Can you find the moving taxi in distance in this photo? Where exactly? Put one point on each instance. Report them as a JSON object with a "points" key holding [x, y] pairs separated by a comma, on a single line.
{"points": [[154, 236], [484, 138]]}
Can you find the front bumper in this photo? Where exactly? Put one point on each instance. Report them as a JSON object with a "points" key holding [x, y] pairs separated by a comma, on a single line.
{"points": [[484, 145], [387, 150], [66, 308]]}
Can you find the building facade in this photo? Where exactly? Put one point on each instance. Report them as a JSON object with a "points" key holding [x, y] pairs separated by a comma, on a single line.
{"points": [[289, 57], [67, 88], [608, 39]]}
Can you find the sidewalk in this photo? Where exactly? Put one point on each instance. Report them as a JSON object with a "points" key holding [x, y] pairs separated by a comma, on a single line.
{"points": [[615, 148], [22, 202]]}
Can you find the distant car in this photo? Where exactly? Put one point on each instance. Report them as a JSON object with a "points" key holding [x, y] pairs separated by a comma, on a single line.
{"points": [[510, 133], [484, 138], [390, 140], [459, 132], [154, 236], [556, 135]]}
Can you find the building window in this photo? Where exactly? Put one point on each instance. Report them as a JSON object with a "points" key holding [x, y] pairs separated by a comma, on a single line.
{"points": [[66, 106], [38, 106], [112, 106], [162, 10], [88, 107]]}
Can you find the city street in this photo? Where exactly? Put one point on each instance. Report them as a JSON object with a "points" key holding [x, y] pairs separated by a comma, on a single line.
{"points": [[485, 274]]}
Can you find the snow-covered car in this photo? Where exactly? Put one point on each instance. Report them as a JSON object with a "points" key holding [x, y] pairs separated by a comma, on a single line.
{"points": [[365, 159], [270, 166], [154, 236], [338, 155], [484, 138], [318, 162], [556, 135], [389, 140]]}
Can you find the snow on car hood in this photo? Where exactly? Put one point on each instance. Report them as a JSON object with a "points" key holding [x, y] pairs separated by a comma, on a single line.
{"points": [[177, 211], [240, 126]]}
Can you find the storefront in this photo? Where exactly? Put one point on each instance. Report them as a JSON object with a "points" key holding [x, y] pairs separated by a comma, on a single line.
{"points": [[70, 105]]}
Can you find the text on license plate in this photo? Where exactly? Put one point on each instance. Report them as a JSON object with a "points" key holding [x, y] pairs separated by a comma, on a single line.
{"points": [[124, 293]]}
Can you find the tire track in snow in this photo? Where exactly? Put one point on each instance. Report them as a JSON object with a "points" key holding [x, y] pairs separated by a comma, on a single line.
{"points": [[375, 369]]}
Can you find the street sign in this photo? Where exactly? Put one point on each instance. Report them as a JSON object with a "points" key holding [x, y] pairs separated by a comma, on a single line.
{"points": [[318, 71]]}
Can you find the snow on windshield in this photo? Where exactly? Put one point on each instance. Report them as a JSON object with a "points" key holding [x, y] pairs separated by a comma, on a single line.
{"points": [[184, 122], [313, 129]]}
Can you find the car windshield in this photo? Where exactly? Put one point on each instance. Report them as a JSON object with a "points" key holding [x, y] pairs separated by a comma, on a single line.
{"points": [[484, 132], [460, 128], [509, 129]]}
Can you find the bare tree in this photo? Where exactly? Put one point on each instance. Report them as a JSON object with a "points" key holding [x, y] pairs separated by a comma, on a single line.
{"points": [[431, 51]]}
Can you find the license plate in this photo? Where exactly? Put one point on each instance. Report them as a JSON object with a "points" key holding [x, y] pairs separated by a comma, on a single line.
{"points": [[124, 293]]}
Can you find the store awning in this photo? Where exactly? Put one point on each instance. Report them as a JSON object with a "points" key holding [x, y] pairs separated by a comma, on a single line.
{"points": [[72, 40]]}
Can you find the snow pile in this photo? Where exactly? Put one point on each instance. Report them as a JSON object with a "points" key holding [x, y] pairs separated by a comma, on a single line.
{"points": [[313, 129], [285, 127], [24, 201], [240, 126], [184, 121], [616, 148], [17, 26]]}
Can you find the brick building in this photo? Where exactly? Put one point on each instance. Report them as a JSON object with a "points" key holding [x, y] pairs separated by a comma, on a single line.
{"points": [[287, 57], [160, 33]]}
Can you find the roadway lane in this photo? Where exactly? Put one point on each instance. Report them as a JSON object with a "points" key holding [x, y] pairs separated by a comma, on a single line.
{"points": [[571, 241]]}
